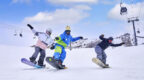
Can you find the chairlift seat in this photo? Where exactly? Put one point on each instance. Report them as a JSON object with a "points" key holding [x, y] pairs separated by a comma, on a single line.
{"points": [[123, 10]]}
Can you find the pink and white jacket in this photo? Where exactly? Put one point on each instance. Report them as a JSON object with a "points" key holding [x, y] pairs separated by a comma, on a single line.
{"points": [[44, 40]]}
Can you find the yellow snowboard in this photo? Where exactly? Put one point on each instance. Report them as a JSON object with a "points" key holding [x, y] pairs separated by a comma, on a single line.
{"points": [[99, 63], [65, 67]]}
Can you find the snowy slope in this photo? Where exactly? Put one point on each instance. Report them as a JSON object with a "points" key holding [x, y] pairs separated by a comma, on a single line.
{"points": [[126, 64]]}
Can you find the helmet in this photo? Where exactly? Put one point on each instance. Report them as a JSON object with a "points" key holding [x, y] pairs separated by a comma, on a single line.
{"points": [[110, 38], [68, 28], [48, 30]]}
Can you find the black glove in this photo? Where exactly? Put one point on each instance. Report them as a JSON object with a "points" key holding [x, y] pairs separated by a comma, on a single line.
{"points": [[122, 43], [29, 26], [56, 38], [102, 35], [52, 47], [81, 37]]}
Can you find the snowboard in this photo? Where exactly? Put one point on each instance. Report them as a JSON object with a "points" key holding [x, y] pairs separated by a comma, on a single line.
{"points": [[27, 62], [99, 63], [53, 63]]}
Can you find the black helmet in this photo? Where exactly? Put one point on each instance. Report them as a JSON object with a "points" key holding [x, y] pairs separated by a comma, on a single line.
{"points": [[110, 38]]}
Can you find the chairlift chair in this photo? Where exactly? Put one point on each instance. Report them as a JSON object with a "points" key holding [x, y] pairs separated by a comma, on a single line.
{"points": [[138, 31], [123, 10], [20, 35]]}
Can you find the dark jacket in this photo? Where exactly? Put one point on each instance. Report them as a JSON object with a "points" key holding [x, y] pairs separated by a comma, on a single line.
{"points": [[105, 43]]}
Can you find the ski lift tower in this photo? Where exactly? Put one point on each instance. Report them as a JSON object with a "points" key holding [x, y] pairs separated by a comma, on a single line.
{"points": [[133, 19]]}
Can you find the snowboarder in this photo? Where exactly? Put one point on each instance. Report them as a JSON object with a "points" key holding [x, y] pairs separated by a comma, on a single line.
{"points": [[61, 43], [44, 41], [100, 47]]}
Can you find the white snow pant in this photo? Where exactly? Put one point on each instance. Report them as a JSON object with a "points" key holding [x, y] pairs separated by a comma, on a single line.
{"points": [[101, 55]]}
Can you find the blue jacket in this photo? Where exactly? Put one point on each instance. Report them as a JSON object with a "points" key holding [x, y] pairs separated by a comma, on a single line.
{"points": [[65, 39]]}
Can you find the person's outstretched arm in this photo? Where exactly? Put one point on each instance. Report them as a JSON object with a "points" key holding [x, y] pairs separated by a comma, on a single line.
{"points": [[116, 45], [32, 28], [76, 38]]}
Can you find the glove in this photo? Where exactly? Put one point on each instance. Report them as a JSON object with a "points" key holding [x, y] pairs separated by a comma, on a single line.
{"points": [[29, 26], [122, 43], [56, 38], [102, 35], [81, 37], [52, 47]]}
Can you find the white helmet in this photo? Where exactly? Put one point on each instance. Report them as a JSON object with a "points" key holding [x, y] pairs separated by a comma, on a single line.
{"points": [[48, 30]]}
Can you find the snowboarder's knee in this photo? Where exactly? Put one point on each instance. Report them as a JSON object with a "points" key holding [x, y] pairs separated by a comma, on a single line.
{"points": [[58, 49], [56, 55]]}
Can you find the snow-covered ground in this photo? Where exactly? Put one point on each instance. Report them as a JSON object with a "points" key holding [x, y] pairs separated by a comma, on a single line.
{"points": [[127, 63]]}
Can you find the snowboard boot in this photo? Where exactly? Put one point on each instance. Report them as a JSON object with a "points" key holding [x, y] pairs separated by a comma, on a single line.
{"points": [[107, 65], [40, 63], [32, 59], [59, 62]]}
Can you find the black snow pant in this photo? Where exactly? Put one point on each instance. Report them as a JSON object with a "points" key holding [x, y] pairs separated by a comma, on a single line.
{"points": [[35, 54]]}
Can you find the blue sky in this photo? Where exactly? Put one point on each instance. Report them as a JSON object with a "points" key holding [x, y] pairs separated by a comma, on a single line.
{"points": [[88, 18]]}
